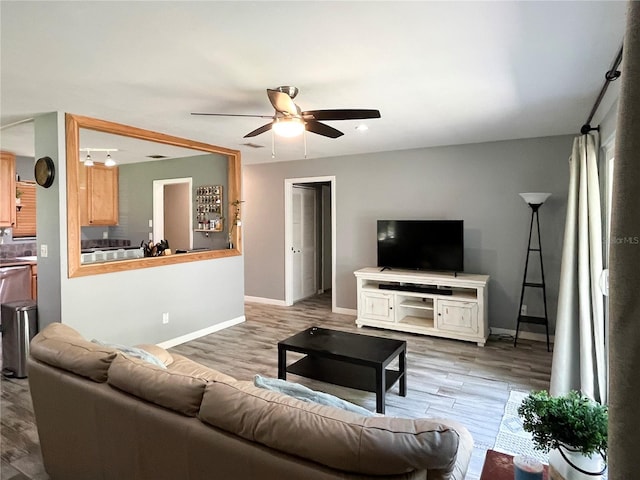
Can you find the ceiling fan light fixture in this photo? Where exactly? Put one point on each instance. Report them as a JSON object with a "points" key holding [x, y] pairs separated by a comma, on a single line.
{"points": [[288, 126]]}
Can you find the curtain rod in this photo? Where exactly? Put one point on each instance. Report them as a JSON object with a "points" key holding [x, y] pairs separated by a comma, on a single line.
{"points": [[610, 76]]}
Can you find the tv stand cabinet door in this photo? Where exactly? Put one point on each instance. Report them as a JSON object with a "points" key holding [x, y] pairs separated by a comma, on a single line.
{"points": [[459, 317], [377, 306]]}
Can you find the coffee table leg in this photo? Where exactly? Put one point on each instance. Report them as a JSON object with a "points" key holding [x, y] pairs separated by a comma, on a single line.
{"points": [[282, 363], [381, 388], [403, 373]]}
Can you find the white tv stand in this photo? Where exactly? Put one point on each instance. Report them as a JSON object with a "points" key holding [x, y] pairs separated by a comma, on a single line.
{"points": [[417, 303]]}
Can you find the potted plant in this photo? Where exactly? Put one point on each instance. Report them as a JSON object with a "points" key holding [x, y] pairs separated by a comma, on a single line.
{"points": [[18, 196], [573, 428], [236, 220]]}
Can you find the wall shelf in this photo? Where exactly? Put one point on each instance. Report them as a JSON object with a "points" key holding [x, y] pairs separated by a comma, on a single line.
{"points": [[209, 203]]}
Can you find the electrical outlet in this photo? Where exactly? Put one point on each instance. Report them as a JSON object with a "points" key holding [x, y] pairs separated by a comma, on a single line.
{"points": [[523, 310], [44, 251], [105, 234], [150, 236], [165, 318], [150, 223]]}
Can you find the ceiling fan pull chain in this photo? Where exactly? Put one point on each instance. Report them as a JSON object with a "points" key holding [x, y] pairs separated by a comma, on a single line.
{"points": [[273, 145], [304, 136]]}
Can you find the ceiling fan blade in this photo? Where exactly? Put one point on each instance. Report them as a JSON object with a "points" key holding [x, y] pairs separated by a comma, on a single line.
{"points": [[258, 131], [322, 129], [231, 115], [282, 102], [341, 114]]}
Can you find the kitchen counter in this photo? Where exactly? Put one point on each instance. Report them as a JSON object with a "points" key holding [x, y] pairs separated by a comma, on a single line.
{"points": [[17, 261]]}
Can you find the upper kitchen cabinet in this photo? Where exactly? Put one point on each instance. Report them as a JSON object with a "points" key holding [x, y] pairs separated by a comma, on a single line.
{"points": [[98, 194], [7, 189], [26, 211]]}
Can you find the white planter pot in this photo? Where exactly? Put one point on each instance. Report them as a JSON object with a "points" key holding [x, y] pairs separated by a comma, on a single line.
{"points": [[559, 469]]}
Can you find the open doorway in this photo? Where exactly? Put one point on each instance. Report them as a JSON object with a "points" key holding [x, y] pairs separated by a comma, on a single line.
{"points": [[310, 238], [173, 212]]}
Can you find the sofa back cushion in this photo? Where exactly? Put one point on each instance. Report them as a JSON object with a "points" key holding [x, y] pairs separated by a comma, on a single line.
{"points": [[173, 390], [330, 436], [180, 387], [187, 366], [61, 346]]}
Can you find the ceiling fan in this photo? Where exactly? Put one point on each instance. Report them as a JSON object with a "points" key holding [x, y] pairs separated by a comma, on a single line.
{"points": [[289, 120]]}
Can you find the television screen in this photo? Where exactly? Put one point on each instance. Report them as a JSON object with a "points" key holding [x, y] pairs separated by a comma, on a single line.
{"points": [[421, 244]]}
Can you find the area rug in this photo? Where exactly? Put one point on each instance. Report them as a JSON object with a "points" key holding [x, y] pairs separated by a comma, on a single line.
{"points": [[512, 438]]}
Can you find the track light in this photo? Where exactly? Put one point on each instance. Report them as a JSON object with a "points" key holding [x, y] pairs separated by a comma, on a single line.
{"points": [[88, 162], [109, 162]]}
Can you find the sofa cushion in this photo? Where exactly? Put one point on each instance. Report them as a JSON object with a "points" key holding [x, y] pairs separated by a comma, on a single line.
{"points": [[307, 395], [158, 352], [327, 435], [168, 388], [187, 366], [135, 352], [63, 347]]}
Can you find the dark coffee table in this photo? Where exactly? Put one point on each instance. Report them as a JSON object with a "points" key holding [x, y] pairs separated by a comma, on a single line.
{"points": [[346, 359]]}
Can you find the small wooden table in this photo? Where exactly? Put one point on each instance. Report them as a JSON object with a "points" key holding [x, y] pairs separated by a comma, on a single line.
{"points": [[346, 359], [499, 466]]}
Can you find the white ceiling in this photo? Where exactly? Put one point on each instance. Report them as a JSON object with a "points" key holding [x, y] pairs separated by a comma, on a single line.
{"points": [[440, 73]]}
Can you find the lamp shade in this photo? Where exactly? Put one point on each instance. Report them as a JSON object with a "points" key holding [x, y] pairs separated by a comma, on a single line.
{"points": [[535, 198]]}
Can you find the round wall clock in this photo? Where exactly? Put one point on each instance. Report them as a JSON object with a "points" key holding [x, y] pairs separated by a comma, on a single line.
{"points": [[45, 172]]}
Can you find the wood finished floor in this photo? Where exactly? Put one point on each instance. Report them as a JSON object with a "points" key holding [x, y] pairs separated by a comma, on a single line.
{"points": [[446, 378]]}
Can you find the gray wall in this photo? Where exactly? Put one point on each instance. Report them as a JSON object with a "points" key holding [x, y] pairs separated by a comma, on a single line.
{"points": [[24, 168], [478, 183], [51, 218], [136, 194], [125, 307]]}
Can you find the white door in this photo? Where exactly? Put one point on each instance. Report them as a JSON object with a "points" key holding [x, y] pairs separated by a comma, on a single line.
{"points": [[304, 241]]}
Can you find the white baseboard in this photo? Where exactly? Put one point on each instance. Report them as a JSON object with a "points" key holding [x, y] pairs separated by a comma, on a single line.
{"points": [[536, 337], [345, 311], [201, 333], [266, 301]]}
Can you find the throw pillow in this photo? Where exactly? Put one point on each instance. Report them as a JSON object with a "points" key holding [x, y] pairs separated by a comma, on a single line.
{"points": [[134, 352], [307, 395]]}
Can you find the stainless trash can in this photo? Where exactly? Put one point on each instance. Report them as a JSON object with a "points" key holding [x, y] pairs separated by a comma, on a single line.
{"points": [[19, 325]]}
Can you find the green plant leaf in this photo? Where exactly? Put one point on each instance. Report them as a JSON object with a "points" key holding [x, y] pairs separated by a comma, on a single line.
{"points": [[572, 420]]}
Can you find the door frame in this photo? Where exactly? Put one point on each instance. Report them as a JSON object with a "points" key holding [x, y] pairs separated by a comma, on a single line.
{"points": [[288, 220], [158, 207]]}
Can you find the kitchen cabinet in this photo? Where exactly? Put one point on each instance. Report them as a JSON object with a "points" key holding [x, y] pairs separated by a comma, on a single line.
{"points": [[7, 189], [34, 281], [98, 195], [26, 216]]}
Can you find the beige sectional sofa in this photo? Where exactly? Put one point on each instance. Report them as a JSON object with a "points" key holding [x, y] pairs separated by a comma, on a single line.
{"points": [[105, 415]]}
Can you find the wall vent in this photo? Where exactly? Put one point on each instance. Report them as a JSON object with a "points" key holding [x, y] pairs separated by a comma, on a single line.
{"points": [[157, 157], [252, 145]]}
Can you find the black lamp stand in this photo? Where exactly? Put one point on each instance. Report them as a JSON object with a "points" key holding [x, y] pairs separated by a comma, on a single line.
{"points": [[525, 284]]}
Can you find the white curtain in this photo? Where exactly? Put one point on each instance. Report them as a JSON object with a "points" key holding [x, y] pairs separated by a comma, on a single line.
{"points": [[579, 354]]}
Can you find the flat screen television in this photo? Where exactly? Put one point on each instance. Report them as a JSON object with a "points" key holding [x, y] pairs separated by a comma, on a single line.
{"points": [[421, 245]]}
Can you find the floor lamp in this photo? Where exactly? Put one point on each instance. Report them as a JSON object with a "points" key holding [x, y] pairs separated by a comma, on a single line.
{"points": [[535, 201]]}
